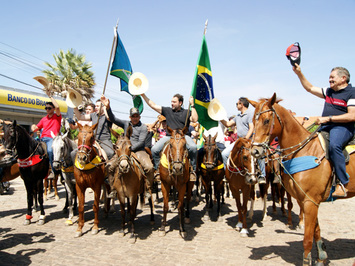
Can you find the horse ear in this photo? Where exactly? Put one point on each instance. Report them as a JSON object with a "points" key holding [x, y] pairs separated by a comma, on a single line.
{"points": [[253, 103], [114, 133], [185, 129], [129, 132], [204, 137], [94, 126], [80, 126], [65, 135], [215, 136], [170, 130], [272, 100], [14, 123], [52, 135]]}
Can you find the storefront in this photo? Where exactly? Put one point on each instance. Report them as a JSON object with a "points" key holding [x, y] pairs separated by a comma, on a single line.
{"points": [[26, 107]]}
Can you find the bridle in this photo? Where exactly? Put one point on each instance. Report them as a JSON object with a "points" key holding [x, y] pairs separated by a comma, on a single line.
{"points": [[170, 158], [215, 157], [243, 171], [265, 144], [85, 149]]}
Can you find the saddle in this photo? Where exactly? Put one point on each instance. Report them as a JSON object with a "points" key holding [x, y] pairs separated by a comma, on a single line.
{"points": [[100, 151], [348, 149]]}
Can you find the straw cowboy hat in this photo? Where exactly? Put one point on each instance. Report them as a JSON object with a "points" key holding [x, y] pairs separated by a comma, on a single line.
{"points": [[216, 111], [74, 98], [138, 84], [42, 80]]}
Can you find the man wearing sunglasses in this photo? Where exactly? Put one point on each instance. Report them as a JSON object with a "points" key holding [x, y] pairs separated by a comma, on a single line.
{"points": [[50, 126], [138, 138]]}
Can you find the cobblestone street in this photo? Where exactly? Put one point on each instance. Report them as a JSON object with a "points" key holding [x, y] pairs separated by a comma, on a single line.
{"points": [[213, 242]]}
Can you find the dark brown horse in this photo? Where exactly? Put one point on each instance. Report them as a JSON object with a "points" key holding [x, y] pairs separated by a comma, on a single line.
{"points": [[9, 167], [174, 171], [241, 176], [33, 163], [310, 187], [212, 170], [129, 180], [89, 172]]}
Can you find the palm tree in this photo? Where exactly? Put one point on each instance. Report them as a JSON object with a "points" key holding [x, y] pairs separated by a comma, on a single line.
{"points": [[71, 70]]}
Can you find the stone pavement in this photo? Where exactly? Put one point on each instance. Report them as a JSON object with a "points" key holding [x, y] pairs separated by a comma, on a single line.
{"points": [[209, 242]]}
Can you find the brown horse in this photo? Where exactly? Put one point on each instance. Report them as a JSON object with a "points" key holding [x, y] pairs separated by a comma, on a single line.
{"points": [[309, 187], [89, 171], [10, 169], [241, 176], [129, 180], [212, 170], [174, 171]]}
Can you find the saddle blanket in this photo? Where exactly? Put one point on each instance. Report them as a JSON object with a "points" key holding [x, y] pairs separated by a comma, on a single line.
{"points": [[299, 164], [35, 159], [164, 161], [88, 166]]}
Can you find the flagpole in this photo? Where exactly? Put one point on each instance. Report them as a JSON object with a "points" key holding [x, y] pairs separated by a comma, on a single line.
{"points": [[188, 109], [109, 61]]}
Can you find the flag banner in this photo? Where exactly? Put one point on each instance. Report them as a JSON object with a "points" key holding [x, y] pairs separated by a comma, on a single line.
{"points": [[202, 88], [122, 69]]}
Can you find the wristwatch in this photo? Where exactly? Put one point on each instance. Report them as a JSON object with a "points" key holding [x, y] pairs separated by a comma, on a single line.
{"points": [[192, 106], [330, 118]]}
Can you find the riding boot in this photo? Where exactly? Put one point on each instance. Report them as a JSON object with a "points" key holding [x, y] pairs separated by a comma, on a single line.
{"points": [[192, 175], [261, 180]]}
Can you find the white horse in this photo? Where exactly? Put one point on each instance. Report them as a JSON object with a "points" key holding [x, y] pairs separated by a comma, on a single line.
{"points": [[62, 147]]}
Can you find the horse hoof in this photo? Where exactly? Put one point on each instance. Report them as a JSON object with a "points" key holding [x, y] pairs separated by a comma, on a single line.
{"points": [[244, 232], [319, 263], [187, 221], [243, 235], [220, 219], [206, 218], [121, 233], [94, 231], [27, 222], [78, 234], [41, 222], [56, 197], [162, 233], [183, 235], [68, 222], [132, 239]]}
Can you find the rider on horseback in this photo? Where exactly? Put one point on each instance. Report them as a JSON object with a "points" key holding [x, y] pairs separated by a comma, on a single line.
{"points": [[338, 118], [137, 139]]}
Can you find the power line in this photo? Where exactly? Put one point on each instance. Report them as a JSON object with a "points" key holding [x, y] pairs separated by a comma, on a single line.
{"points": [[20, 81]]}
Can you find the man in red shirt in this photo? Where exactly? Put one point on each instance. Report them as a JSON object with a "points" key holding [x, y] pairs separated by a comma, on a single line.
{"points": [[50, 126]]}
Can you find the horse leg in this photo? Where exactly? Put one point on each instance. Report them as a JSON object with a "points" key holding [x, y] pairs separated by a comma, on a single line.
{"points": [[300, 216], [30, 193], [311, 214], [244, 209], [219, 192], [45, 188], [133, 209], [252, 201], [69, 198], [165, 189], [81, 197], [55, 179], [322, 254], [206, 185], [181, 195], [239, 225], [282, 199], [289, 208], [152, 221], [189, 187], [273, 195], [40, 201], [97, 192]]}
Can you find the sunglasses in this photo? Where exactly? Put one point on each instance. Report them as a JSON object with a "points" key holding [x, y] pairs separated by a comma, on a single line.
{"points": [[48, 108]]}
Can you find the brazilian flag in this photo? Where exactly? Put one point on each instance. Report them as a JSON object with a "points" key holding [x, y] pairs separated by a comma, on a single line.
{"points": [[121, 68], [202, 87]]}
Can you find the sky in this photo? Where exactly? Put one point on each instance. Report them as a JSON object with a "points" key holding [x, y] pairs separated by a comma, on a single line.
{"points": [[247, 41]]}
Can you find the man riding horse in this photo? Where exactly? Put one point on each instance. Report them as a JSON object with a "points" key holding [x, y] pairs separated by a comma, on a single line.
{"points": [[137, 138], [338, 118], [176, 118], [102, 133]]}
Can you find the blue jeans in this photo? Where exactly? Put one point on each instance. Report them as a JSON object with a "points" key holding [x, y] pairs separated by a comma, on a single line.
{"points": [[49, 142], [190, 145], [339, 136]]}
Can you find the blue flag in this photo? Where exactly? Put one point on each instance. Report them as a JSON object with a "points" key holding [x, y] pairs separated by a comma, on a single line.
{"points": [[122, 69]]}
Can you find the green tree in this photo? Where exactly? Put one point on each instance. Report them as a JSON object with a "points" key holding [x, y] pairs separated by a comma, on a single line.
{"points": [[71, 70]]}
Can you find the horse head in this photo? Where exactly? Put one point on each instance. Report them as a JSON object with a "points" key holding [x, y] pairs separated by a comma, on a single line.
{"points": [[123, 150], [60, 151], [86, 139], [10, 135], [177, 150], [210, 151], [267, 124], [242, 159]]}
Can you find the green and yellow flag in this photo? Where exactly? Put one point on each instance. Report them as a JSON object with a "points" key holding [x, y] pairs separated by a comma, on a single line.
{"points": [[202, 87]]}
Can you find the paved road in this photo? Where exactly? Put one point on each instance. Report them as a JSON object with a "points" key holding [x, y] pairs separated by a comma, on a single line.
{"points": [[209, 242]]}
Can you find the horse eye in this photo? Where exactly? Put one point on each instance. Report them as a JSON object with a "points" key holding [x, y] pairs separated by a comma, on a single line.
{"points": [[266, 122], [245, 158]]}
